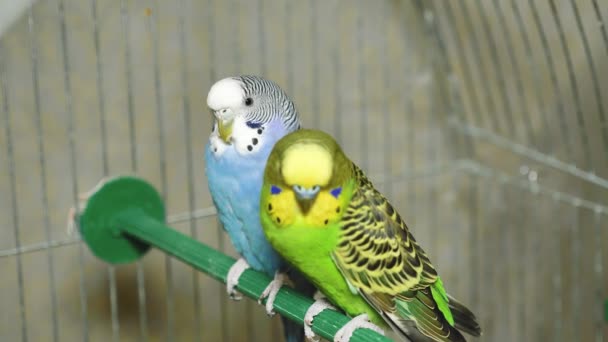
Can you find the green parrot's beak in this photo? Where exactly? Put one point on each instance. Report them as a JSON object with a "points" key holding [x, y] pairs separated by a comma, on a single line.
{"points": [[305, 196], [305, 204], [225, 129]]}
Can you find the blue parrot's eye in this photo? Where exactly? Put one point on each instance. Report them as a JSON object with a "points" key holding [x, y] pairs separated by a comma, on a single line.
{"points": [[336, 192], [248, 101], [275, 190]]}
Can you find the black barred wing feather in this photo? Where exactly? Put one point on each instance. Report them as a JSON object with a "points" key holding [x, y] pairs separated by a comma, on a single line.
{"points": [[378, 256], [376, 252]]}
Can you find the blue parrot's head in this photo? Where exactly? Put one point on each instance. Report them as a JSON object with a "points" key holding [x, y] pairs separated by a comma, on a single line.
{"points": [[248, 110]]}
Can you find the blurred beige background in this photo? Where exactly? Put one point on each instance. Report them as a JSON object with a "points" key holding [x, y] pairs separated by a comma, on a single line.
{"points": [[484, 122]]}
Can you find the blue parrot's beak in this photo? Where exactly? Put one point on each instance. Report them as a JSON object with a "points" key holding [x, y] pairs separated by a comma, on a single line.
{"points": [[225, 119], [306, 194], [225, 130]]}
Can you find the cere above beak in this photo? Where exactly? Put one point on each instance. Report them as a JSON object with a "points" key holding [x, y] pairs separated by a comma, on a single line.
{"points": [[303, 193]]}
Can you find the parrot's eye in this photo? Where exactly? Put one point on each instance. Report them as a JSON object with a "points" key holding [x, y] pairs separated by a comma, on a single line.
{"points": [[248, 101]]}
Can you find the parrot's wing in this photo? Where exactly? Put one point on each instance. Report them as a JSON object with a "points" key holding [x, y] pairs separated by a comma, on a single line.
{"points": [[378, 255], [376, 250]]}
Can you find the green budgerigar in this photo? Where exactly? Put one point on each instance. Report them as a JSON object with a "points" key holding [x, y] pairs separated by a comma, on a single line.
{"points": [[323, 215]]}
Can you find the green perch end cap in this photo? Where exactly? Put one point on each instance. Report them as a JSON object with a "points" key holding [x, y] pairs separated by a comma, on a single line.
{"points": [[119, 200]]}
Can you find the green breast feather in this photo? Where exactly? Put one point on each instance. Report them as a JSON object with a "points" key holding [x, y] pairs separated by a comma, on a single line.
{"points": [[309, 248]]}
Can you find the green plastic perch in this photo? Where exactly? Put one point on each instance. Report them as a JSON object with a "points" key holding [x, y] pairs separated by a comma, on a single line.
{"points": [[126, 216]]}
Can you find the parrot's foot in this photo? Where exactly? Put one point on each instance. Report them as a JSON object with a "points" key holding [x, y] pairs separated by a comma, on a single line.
{"points": [[232, 279], [82, 204], [316, 308], [271, 292], [361, 321]]}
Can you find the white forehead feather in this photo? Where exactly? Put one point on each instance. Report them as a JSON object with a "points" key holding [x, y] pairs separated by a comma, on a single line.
{"points": [[225, 93]]}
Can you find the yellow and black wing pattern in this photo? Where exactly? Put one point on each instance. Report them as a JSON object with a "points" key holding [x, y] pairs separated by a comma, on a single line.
{"points": [[379, 257]]}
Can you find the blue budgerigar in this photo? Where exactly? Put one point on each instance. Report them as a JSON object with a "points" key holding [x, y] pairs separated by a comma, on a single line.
{"points": [[251, 114]]}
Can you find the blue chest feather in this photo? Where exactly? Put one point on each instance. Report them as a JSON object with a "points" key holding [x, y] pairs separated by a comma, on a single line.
{"points": [[235, 183]]}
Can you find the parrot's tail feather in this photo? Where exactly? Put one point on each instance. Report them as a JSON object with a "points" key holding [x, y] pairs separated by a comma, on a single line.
{"points": [[464, 319], [417, 320], [409, 331]]}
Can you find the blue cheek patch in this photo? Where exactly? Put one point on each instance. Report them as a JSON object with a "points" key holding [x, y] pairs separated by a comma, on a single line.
{"points": [[275, 190], [336, 192], [253, 125]]}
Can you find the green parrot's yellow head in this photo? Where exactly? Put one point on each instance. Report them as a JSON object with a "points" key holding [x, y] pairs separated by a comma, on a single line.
{"points": [[308, 162]]}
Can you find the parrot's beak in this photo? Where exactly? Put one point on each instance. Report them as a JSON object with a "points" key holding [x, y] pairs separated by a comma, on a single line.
{"points": [[306, 196], [225, 129], [225, 119]]}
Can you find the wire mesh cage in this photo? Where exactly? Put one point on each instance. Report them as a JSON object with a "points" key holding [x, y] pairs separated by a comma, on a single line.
{"points": [[483, 122]]}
